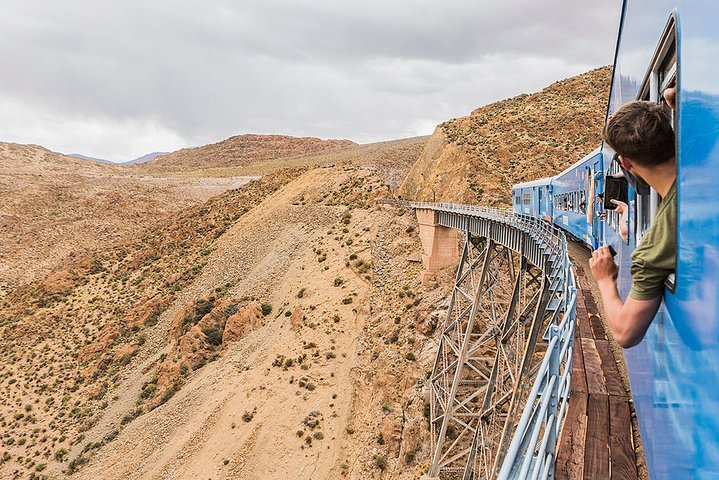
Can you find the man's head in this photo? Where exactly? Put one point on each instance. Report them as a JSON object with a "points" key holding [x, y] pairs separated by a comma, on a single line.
{"points": [[642, 133]]}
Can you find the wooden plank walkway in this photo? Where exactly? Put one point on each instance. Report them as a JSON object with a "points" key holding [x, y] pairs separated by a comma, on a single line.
{"points": [[596, 441]]}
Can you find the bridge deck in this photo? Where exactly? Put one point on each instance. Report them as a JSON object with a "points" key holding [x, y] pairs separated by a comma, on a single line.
{"points": [[597, 440]]}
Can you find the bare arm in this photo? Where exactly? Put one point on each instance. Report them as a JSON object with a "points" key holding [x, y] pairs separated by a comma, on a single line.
{"points": [[628, 320]]}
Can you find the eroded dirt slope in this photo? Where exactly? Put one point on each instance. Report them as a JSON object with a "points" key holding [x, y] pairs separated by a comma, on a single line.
{"points": [[326, 385], [56, 208]]}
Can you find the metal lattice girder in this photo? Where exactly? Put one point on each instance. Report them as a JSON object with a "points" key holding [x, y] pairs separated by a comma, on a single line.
{"points": [[510, 286], [480, 358], [500, 383]]}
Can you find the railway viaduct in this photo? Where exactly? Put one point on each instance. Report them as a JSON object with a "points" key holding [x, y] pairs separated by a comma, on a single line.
{"points": [[502, 377]]}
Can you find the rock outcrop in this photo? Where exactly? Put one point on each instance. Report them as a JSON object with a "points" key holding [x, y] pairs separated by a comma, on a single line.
{"points": [[476, 159]]}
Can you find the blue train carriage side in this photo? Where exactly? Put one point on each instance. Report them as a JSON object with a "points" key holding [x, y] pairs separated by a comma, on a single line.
{"points": [[575, 202], [533, 198], [674, 371]]}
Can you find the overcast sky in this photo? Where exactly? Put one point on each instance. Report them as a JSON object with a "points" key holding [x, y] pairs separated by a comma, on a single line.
{"points": [[118, 79]]}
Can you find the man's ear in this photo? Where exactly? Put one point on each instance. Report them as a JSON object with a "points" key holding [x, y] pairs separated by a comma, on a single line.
{"points": [[625, 163]]}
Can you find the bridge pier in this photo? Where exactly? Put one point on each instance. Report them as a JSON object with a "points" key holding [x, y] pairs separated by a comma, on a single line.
{"points": [[440, 244]]}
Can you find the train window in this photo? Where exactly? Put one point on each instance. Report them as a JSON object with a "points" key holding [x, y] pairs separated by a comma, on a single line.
{"points": [[526, 199], [662, 73]]}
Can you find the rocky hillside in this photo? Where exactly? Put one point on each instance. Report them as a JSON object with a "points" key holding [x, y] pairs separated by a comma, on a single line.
{"points": [[249, 321], [243, 150], [476, 159], [55, 207], [66, 338], [272, 327]]}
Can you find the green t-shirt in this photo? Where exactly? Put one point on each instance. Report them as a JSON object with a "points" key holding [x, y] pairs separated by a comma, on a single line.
{"points": [[655, 257]]}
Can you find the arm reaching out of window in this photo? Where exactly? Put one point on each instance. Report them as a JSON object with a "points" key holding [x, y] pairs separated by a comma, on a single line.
{"points": [[628, 320]]}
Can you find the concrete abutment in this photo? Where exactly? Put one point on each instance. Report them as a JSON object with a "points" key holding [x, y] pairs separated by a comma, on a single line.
{"points": [[440, 244]]}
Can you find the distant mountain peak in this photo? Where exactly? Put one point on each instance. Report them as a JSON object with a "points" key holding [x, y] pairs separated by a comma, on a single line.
{"points": [[142, 159]]}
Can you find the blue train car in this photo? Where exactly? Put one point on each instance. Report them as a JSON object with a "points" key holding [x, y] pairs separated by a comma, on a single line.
{"points": [[574, 201], [533, 198], [674, 371]]}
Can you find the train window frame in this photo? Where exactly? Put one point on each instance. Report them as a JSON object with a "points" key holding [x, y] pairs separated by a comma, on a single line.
{"points": [[526, 198], [662, 71]]}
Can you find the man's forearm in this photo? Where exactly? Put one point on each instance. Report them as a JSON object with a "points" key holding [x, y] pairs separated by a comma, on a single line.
{"points": [[612, 307]]}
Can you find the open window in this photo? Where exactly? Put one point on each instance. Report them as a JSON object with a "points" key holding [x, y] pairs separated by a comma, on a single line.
{"points": [[661, 74]]}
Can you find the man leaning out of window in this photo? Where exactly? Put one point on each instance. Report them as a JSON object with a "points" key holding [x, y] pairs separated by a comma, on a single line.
{"points": [[641, 134]]}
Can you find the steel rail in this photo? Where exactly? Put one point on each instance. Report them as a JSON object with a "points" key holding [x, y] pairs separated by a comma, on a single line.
{"points": [[531, 451]]}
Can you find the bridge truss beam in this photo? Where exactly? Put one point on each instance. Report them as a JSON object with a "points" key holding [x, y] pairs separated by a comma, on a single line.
{"points": [[504, 358]]}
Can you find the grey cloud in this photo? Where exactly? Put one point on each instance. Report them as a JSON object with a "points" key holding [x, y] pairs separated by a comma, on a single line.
{"points": [[202, 71]]}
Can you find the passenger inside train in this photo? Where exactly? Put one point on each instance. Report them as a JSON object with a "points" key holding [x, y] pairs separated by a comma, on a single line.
{"points": [[642, 136]]}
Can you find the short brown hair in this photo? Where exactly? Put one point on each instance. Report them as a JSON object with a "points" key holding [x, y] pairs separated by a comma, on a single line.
{"points": [[642, 131]]}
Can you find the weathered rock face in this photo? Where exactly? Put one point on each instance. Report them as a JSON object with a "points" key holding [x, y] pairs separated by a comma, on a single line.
{"points": [[198, 334], [241, 323], [94, 350], [476, 159], [296, 320], [147, 313], [58, 282], [391, 431]]}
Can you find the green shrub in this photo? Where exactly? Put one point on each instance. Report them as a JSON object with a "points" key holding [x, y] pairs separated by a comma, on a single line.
{"points": [[266, 309], [214, 335]]}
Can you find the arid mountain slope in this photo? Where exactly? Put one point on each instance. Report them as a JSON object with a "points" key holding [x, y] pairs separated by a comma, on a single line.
{"points": [[56, 207], [118, 350], [65, 340], [311, 388], [275, 330], [391, 159], [243, 150], [476, 159]]}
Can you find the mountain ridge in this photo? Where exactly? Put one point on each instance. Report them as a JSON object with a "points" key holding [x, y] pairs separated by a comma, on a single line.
{"points": [[271, 329], [477, 158], [243, 150]]}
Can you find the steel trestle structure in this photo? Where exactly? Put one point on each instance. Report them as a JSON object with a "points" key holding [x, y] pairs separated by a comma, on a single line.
{"points": [[500, 382]]}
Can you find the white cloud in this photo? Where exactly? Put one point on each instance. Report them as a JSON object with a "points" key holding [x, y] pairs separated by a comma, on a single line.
{"points": [[112, 139], [124, 76]]}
